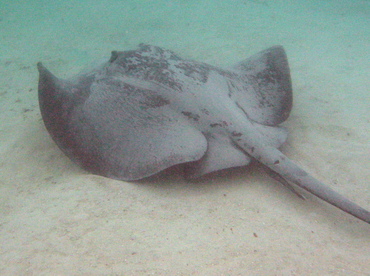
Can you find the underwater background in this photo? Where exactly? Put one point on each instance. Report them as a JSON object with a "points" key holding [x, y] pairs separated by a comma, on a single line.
{"points": [[56, 219]]}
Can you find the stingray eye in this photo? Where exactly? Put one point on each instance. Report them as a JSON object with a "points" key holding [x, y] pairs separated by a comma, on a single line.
{"points": [[113, 57]]}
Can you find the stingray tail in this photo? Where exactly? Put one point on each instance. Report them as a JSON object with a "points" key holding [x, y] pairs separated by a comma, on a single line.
{"points": [[283, 166]]}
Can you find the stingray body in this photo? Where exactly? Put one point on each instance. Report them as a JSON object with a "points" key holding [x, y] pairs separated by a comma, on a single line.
{"points": [[148, 109]]}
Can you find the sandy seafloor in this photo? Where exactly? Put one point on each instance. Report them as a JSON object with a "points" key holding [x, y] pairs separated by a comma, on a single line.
{"points": [[56, 219]]}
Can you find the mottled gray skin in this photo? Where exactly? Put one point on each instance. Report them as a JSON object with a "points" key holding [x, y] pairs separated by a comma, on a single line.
{"points": [[148, 109]]}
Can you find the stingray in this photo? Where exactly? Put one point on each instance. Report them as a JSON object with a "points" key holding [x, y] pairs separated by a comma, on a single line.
{"points": [[148, 109]]}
